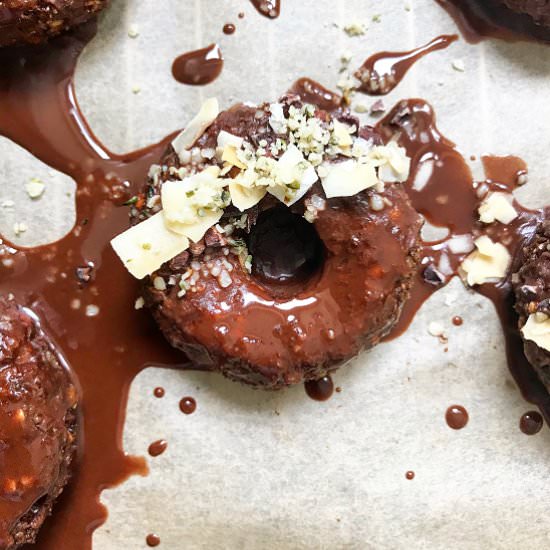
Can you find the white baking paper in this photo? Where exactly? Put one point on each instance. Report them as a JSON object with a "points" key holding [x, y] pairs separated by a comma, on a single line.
{"points": [[254, 470]]}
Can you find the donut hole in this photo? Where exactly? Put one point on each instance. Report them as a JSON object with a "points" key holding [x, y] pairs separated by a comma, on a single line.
{"points": [[287, 253]]}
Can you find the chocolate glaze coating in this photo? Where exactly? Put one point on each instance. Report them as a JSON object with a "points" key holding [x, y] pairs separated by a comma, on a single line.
{"points": [[532, 289], [38, 420], [539, 10], [346, 277], [34, 21]]}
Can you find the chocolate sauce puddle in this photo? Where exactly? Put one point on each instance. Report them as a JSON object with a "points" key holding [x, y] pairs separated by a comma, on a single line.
{"points": [[37, 95], [198, 67], [479, 19], [441, 187], [382, 72], [268, 8]]}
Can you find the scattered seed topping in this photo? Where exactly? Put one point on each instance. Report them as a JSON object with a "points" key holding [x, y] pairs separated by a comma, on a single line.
{"points": [[308, 145]]}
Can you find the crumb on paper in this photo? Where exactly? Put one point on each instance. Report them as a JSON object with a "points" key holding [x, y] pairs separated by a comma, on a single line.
{"points": [[133, 31], [35, 188], [355, 28], [377, 17], [436, 329], [7, 203], [347, 86], [136, 89], [346, 56], [522, 178], [378, 107], [360, 108], [345, 59], [458, 65], [19, 228]]}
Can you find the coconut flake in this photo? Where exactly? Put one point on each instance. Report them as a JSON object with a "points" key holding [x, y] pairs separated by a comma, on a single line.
{"points": [[488, 263], [497, 207], [537, 329], [200, 123]]}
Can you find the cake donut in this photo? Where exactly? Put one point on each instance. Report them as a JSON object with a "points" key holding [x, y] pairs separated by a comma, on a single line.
{"points": [[274, 241], [38, 423], [34, 21], [532, 291]]}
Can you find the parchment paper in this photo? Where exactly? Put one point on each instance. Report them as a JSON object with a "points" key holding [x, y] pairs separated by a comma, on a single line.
{"points": [[253, 470]]}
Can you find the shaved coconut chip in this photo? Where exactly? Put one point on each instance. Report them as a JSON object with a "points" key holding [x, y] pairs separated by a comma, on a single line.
{"points": [[226, 139], [393, 162], [277, 120], [230, 156], [537, 331], [461, 244], [361, 147], [146, 246], [245, 197], [293, 170], [205, 117], [341, 133], [489, 262], [497, 207], [196, 230], [182, 199], [348, 178]]}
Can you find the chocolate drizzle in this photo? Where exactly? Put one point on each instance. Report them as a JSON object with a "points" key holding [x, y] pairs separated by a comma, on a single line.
{"points": [[442, 188], [36, 92], [383, 71], [268, 8], [199, 67]]}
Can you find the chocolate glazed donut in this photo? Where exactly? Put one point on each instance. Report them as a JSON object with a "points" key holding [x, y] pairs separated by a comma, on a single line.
{"points": [[38, 426], [315, 294], [532, 290], [34, 21]]}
